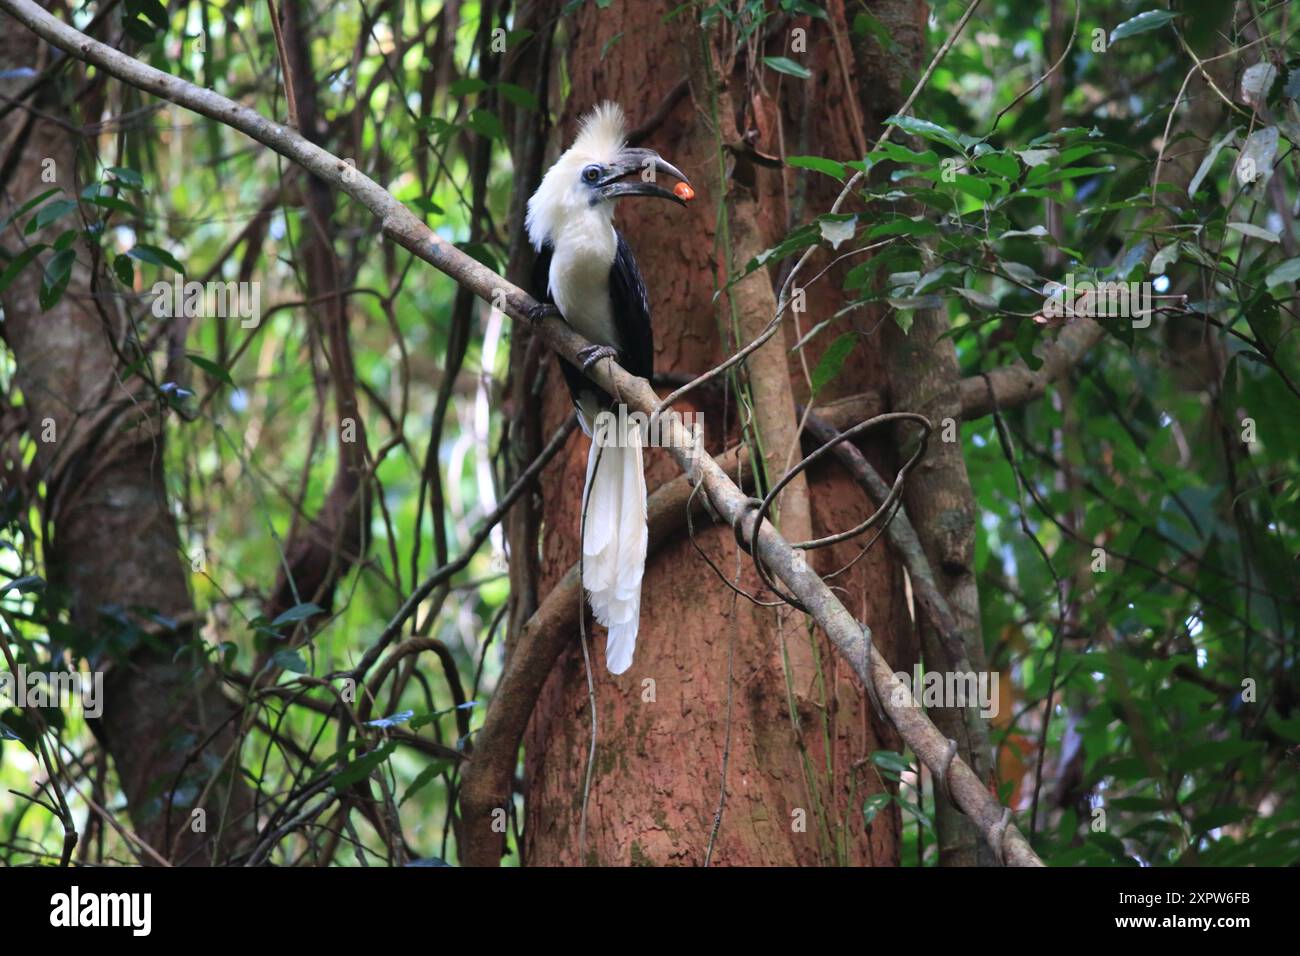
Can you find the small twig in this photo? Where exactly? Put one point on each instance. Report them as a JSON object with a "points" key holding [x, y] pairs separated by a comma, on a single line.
{"points": [[1078, 6], [290, 97]]}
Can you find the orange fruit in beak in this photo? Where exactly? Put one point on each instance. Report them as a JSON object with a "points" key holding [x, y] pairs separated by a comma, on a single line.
{"points": [[684, 192]]}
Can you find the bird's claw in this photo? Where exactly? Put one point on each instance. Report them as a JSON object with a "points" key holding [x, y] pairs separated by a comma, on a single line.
{"points": [[594, 353], [541, 311]]}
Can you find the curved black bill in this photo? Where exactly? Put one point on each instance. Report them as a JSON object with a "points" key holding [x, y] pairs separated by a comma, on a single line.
{"points": [[637, 162]]}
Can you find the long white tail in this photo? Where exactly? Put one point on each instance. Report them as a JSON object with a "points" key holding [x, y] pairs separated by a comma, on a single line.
{"points": [[614, 542]]}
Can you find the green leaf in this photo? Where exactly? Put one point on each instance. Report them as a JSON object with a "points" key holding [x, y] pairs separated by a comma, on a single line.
{"points": [[1257, 81], [298, 612], [1150, 20], [218, 372], [28, 206], [822, 165], [891, 760], [864, 24], [973, 186], [920, 226], [518, 95], [610, 44], [800, 238], [981, 300], [1288, 271], [363, 766], [916, 813], [1221, 816], [466, 86], [428, 206], [290, 661], [1020, 273], [1255, 232], [1027, 334], [117, 205], [926, 130], [155, 256], [1214, 753], [874, 804], [24, 585], [1000, 164], [1163, 259], [832, 360], [485, 123], [1034, 232], [1208, 162], [18, 263], [1255, 164], [50, 212], [783, 64], [154, 10], [124, 270], [425, 777], [57, 273], [136, 28], [127, 178], [903, 155], [1138, 804]]}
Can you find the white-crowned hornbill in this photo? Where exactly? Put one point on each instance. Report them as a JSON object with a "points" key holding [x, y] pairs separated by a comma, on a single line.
{"points": [[586, 272]]}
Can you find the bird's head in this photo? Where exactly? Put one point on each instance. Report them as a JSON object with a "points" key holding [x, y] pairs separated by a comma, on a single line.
{"points": [[595, 171]]}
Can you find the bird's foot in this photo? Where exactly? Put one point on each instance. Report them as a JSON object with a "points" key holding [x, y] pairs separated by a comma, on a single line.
{"points": [[541, 311], [594, 353]]}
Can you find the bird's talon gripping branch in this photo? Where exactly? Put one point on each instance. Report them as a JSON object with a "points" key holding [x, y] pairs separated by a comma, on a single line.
{"points": [[542, 310], [594, 353]]}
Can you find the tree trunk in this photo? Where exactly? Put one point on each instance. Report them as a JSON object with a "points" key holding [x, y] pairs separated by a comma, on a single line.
{"points": [[721, 691], [116, 559], [924, 377]]}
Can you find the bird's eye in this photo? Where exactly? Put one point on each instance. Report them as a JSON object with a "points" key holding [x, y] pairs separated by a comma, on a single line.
{"points": [[590, 174]]}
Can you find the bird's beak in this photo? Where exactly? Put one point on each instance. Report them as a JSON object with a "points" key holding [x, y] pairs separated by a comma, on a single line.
{"points": [[631, 163]]}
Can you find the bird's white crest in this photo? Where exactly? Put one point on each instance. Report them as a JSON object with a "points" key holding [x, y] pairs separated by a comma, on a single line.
{"points": [[602, 135]]}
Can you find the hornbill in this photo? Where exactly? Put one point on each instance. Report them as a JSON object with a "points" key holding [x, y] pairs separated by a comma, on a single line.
{"points": [[585, 272]]}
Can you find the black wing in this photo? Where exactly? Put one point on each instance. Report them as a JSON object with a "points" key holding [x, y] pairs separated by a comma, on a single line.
{"points": [[631, 312], [541, 289]]}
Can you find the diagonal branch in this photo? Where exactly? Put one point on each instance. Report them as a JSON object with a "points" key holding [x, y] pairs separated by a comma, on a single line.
{"points": [[851, 639]]}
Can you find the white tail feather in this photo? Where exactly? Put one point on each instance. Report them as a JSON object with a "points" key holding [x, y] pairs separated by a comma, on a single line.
{"points": [[614, 543]]}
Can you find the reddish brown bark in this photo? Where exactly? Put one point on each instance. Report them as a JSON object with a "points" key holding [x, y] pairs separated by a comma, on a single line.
{"points": [[661, 745]]}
